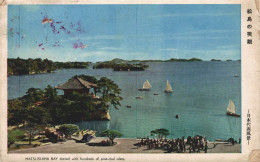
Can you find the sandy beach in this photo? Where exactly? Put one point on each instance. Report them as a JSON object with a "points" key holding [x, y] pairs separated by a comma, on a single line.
{"points": [[122, 146]]}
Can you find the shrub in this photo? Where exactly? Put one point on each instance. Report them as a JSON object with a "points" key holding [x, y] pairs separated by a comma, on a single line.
{"points": [[68, 129], [17, 146], [14, 135], [111, 134]]}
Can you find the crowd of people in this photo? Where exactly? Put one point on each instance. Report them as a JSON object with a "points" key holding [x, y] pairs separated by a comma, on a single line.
{"points": [[194, 144]]}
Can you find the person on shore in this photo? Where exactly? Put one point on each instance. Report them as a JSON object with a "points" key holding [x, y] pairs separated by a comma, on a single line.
{"points": [[196, 144], [189, 149], [206, 148]]}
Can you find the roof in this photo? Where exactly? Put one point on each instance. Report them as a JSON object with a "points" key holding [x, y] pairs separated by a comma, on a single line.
{"points": [[76, 83]]}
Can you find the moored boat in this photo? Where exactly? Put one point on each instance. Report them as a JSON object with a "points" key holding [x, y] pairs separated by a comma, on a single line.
{"points": [[231, 109], [220, 140]]}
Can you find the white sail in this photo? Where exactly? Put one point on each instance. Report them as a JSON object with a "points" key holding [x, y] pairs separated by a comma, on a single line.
{"points": [[231, 107], [147, 85], [168, 87]]}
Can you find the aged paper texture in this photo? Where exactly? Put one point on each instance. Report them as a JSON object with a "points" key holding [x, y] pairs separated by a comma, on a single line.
{"points": [[207, 50]]}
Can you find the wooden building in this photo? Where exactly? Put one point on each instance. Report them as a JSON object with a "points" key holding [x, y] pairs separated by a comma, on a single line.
{"points": [[77, 84]]}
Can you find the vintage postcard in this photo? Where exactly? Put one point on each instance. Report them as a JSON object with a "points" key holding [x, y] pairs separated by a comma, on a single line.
{"points": [[130, 80]]}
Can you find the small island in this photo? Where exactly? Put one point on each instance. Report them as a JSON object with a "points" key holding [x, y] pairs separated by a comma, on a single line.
{"points": [[183, 60], [215, 60], [20, 66], [120, 65]]}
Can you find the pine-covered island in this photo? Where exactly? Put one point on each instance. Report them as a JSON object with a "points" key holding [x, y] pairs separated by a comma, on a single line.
{"points": [[18, 66]]}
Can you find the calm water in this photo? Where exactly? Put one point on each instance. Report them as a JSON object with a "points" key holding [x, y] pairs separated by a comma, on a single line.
{"points": [[201, 94]]}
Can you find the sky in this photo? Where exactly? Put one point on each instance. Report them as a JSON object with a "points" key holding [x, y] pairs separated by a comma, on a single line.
{"points": [[104, 32]]}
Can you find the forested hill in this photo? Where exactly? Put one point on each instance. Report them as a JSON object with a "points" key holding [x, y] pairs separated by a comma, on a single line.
{"points": [[20, 66]]}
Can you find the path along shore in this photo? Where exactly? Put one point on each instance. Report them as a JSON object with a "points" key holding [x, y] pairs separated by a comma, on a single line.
{"points": [[122, 146]]}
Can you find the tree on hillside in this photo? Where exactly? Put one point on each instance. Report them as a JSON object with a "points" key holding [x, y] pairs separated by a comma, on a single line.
{"points": [[36, 118], [50, 94], [110, 91], [160, 132], [111, 134], [33, 95], [15, 112], [33, 67]]}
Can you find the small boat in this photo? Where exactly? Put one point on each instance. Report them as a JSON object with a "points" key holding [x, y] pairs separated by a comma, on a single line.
{"points": [[128, 106], [155, 94], [231, 109], [146, 86], [220, 140], [236, 75], [168, 88], [176, 116], [139, 97]]}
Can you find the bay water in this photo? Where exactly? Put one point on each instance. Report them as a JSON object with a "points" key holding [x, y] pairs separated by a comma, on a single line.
{"points": [[201, 92]]}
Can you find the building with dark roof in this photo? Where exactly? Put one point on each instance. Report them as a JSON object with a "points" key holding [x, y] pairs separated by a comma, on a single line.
{"points": [[77, 84]]}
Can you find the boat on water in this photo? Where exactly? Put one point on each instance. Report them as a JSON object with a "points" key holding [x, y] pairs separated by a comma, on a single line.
{"points": [[236, 75], [146, 86], [231, 109], [128, 106], [220, 140], [139, 97], [155, 94], [168, 88]]}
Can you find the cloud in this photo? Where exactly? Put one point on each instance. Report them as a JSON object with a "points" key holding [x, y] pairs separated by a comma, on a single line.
{"points": [[199, 34], [109, 55], [100, 37], [111, 48], [221, 54], [94, 38], [198, 37], [169, 49], [228, 46], [205, 32], [31, 8], [194, 15]]}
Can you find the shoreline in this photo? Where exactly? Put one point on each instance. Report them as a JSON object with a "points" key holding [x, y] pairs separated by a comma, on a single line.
{"points": [[123, 145]]}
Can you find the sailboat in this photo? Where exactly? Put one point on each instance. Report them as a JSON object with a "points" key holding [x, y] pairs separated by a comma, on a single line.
{"points": [[168, 88], [146, 86], [231, 110]]}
